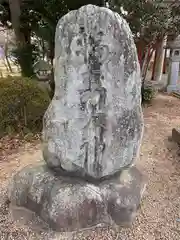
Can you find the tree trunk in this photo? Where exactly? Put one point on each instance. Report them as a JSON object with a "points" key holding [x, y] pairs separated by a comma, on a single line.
{"points": [[164, 66], [140, 50], [22, 39], [154, 64], [146, 62], [160, 59], [15, 10]]}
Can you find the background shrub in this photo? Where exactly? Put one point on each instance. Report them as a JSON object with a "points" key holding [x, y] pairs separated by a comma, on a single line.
{"points": [[147, 93], [22, 105]]}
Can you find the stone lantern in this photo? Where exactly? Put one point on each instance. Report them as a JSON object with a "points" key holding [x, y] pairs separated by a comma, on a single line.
{"points": [[173, 76], [42, 69]]}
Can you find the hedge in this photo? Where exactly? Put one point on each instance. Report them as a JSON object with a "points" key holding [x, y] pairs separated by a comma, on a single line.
{"points": [[22, 105]]}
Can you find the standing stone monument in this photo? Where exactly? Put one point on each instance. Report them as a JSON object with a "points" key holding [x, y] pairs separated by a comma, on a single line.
{"points": [[92, 128]]}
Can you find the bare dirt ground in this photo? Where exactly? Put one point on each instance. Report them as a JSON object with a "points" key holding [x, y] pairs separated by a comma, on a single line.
{"points": [[159, 216]]}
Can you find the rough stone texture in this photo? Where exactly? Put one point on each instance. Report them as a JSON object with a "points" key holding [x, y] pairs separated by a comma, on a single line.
{"points": [[176, 135], [94, 123], [69, 204]]}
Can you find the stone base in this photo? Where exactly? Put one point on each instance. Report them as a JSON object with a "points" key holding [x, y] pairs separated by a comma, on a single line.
{"points": [[71, 204], [172, 88]]}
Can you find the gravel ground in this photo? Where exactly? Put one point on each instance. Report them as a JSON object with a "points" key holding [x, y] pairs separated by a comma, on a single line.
{"points": [[159, 216]]}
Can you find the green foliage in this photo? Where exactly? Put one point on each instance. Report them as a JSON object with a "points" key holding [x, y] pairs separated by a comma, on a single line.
{"points": [[149, 20], [22, 105], [147, 93]]}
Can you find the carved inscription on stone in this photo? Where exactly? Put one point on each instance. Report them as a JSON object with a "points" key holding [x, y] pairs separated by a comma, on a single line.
{"points": [[94, 123]]}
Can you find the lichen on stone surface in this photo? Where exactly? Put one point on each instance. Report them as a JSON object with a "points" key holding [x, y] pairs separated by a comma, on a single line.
{"points": [[94, 122]]}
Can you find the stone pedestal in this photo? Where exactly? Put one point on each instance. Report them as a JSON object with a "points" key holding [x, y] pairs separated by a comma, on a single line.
{"points": [[173, 77], [70, 204]]}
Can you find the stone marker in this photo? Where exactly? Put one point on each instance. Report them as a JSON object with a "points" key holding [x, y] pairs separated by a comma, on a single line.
{"points": [[92, 129], [94, 123]]}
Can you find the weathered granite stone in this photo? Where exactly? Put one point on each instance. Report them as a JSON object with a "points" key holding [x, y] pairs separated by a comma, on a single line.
{"points": [[94, 123], [69, 204]]}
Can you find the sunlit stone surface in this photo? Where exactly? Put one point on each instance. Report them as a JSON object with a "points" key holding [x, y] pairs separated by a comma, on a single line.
{"points": [[94, 123], [68, 204]]}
